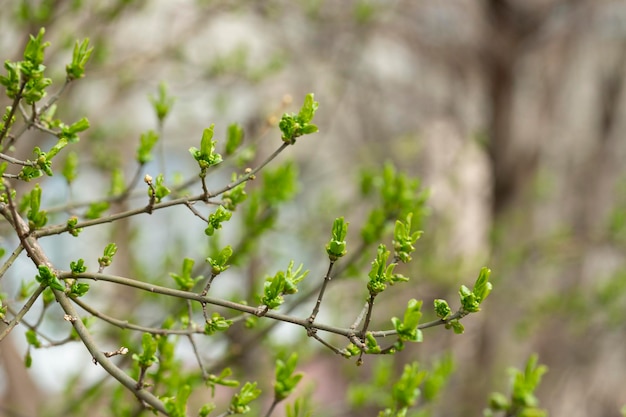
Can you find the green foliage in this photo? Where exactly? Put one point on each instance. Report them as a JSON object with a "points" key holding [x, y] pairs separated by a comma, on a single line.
{"points": [[36, 218], [442, 309], [96, 209], [32, 339], [216, 323], [284, 282], [280, 184], [299, 408], [80, 56], [206, 156], [397, 199], [25, 79], [221, 379], [68, 134], [235, 196], [403, 239], [3, 308], [118, 186], [336, 248], [406, 391], [382, 274], [407, 328], [78, 289], [70, 167], [240, 402], [48, 278], [146, 143], [286, 380], [295, 125], [148, 357], [177, 406], [219, 263], [159, 191], [162, 102], [107, 258], [234, 138], [185, 281], [522, 401], [437, 377], [397, 397], [397, 196], [72, 222], [471, 300], [216, 219]]}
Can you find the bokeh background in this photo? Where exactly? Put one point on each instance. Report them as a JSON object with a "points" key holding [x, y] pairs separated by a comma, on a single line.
{"points": [[512, 113]]}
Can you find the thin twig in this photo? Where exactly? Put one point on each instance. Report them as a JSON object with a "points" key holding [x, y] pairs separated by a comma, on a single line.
{"points": [[318, 303], [25, 308], [368, 316], [196, 353], [359, 318], [62, 228], [187, 295], [272, 407], [14, 106], [7, 264], [124, 324]]}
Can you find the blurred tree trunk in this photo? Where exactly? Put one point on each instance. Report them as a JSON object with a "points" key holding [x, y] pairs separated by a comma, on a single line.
{"points": [[21, 397]]}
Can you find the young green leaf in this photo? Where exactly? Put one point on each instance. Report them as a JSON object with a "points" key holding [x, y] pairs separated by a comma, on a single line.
{"points": [[78, 267], [234, 138], [280, 184], [32, 339], [162, 103], [336, 248], [177, 406], [96, 209], [216, 323], [294, 125], [381, 274], [240, 402], [36, 218], [185, 281], [107, 258], [219, 263], [403, 239], [221, 379], [522, 402], [407, 328], [34, 51], [78, 289], [48, 278], [70, 133], [406, 391], [482, 287], [273, 290], [148, 356], [442, 309], [160, 191], [80, 56], [438, 377], [206, 156], [286, 380], [216, 219], [147, 140], [235, 196], [70, 167]]}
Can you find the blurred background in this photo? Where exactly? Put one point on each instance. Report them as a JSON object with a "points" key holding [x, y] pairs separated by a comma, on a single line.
{"points": [[511, 112]]}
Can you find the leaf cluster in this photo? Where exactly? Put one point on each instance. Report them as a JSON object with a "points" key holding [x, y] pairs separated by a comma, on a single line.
{"points": [[294, 125], [522, 401], [283, 282]]}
